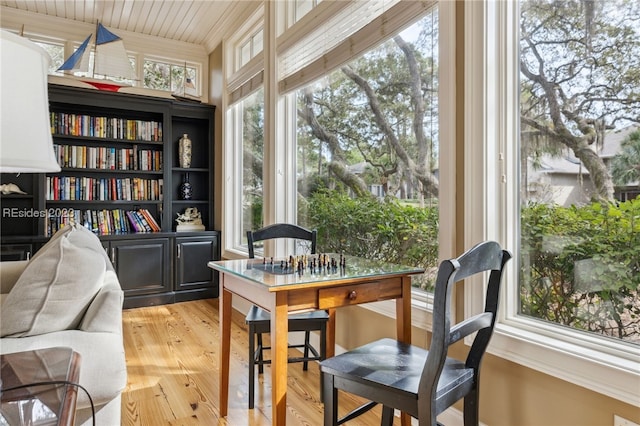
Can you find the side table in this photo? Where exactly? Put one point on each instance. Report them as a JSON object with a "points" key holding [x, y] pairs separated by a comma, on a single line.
{"points": [[44, 404]]}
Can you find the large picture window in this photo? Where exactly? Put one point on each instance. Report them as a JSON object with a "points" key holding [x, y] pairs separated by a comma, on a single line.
{"points": [[580, 151], [368, 151], [570, 306]]}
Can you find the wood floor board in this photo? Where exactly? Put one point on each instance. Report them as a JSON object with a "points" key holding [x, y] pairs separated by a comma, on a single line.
{"points": [[172, 364]]}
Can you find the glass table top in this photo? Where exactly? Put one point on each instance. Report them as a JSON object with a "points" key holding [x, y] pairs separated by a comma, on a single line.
{"points": [[36, 405], [282, 272]]}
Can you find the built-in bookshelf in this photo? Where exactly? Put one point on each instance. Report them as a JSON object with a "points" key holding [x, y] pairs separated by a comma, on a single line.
{"points": [[120, 177], [118, 154], [112, 149]]}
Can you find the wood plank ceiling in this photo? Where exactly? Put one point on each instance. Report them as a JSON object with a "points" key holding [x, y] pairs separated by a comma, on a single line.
{"points": [[200, 22]]}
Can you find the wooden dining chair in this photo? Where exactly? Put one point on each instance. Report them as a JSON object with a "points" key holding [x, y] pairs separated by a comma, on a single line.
{"points": [[259, 321], [411, 379]]}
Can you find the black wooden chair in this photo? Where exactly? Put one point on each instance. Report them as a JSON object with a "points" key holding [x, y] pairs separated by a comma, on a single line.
{"points": [[416, 381], [259, 321]]}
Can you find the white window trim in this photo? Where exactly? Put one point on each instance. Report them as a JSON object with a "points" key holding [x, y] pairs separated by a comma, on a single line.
{"points": [[602, 365]]}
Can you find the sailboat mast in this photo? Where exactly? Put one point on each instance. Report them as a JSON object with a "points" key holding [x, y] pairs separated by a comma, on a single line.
{"points": [[95, 45]]}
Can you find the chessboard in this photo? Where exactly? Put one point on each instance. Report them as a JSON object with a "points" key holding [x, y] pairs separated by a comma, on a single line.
{"points": [[303, 264]]}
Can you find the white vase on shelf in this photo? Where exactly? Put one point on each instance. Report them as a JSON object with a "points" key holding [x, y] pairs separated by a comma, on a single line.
{"points": [[184, 151]]}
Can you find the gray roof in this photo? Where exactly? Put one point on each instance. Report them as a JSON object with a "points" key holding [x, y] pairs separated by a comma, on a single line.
{"points": [[569, 164]]}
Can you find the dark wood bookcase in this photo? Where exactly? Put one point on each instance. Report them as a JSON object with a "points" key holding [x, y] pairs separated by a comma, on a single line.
{"points": [[118, 154]]}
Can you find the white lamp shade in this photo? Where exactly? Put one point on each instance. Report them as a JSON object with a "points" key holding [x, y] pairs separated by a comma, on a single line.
{"points": [[25, 136]]}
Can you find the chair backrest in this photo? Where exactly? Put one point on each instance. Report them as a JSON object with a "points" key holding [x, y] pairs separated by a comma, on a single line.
{"points": [[484, 257], [281, 230]]}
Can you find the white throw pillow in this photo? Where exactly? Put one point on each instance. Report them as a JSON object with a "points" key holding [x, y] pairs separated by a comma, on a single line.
{"points": [[57, 286]]}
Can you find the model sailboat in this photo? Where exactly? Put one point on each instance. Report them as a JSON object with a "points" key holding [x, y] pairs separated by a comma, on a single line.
{"points": [[110, 60], [187, 90]]}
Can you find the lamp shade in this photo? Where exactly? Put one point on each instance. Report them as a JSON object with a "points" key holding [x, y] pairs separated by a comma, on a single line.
{"points": [[25, 135]]}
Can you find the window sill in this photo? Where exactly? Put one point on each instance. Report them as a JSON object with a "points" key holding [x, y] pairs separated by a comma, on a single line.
{"points": [[616, 375], [613, 373]]}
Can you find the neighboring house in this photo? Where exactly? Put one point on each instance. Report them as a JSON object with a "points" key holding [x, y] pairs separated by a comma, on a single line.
{"points": [[565, 181]]}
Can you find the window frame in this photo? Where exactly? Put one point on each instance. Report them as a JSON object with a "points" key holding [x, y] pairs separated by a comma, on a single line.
{"points": [[492, 86]]}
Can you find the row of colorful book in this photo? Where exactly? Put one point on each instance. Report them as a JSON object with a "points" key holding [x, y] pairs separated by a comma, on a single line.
{"points": [[108, 158], [105, 222], [63, 123], [86, 188]]}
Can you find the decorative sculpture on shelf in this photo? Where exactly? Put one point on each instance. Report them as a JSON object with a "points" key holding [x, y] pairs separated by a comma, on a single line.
{"points": [[11, 188], [190, 220]]}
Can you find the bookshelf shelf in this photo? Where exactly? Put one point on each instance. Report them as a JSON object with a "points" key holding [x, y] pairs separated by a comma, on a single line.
{"points": [[118, 154], [98, 141], [87, 170], [16, 196]]}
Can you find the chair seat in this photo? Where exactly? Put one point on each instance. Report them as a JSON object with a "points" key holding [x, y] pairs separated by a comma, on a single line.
{"points": [[261, 319], [389, 367]]}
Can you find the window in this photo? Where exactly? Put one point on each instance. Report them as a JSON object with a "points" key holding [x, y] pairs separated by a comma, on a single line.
{"points": [[170, 77], [245, 126], [368, 146], [581, 351], [580, 245], [302, 7], [250, 49], [56, 52], [252, 161], [371, 151]]}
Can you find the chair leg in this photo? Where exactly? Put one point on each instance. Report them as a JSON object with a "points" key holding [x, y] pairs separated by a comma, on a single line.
{"points": [[252, 367], [260, 355], [330, 397], [471, 405], [323, 355], [305, 364], [387, 416]]}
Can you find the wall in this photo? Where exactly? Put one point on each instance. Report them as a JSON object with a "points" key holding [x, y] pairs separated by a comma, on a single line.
{"points": [[215, 96]]}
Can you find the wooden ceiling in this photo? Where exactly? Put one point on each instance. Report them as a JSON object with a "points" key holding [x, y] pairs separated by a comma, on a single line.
{"points": [[200, 22]]}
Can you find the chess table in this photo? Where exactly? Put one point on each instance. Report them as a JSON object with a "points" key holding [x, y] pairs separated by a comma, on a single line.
{"points": [[351, 281]]}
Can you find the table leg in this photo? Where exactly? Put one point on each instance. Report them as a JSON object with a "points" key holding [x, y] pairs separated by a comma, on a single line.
{"points": [[403, 312], [225, 347], [403, 326], [331, 333], [279, 359]]}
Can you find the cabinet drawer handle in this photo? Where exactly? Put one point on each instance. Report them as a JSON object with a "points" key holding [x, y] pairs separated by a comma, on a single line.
{"points": [[179, 251], [353, 295]]}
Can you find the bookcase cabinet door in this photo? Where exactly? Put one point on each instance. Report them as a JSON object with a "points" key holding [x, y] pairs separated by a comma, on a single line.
{"points": [[10, 252], [143, 268], [194, 279]]}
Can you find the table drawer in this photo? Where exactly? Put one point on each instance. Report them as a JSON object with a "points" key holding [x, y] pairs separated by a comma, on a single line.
{"points": [[373, 291]]}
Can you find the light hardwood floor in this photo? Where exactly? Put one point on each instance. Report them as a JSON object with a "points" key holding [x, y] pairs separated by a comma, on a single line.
{"points": [[172, 363]]}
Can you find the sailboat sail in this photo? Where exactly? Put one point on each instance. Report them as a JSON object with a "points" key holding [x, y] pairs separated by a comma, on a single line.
{"points": [[79, 60], [111, 56]]}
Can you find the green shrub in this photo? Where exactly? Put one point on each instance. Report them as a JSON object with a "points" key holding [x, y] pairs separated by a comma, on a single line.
{"points": [[384, 230], [581, 267]]}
